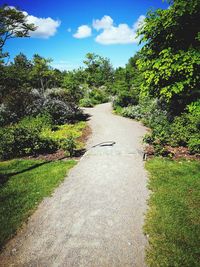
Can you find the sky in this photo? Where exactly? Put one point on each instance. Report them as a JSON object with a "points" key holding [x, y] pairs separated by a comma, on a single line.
{"points": [[68, 30]]}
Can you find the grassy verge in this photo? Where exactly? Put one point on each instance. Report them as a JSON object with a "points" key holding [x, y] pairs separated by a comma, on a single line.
{"points": [[173, 219], [23, 184]]}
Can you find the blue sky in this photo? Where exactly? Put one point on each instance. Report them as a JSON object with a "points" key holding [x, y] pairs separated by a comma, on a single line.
{"points": [[67, 30]]}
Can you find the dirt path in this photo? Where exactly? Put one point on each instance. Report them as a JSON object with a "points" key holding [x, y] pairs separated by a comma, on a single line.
{"points": [[95, 218]]}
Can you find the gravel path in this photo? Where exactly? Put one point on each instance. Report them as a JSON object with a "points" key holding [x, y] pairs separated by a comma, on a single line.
{"points": [[95, 218]]}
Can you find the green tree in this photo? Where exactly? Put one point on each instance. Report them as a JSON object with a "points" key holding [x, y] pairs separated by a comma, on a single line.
{"points": [[12, 24], [170, 57], [72, 87], [41, 73], [127, 83], [99, 70]]}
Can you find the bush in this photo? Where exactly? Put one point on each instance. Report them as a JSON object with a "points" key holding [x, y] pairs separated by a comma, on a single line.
{"points": [[6, 116], [194, 144], [98, 96], [86, 102], [70, 145], [133, 112], [151, 114], [123, 99], [24, 138], [59, 111], [186, 129]]}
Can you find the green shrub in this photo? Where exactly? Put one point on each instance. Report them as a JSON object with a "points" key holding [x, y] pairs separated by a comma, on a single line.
{"points": [[86, 102], [194, 144], [133, 112], [24, 138], [70, 145], [59, 111], [98, 96], [124, 99], [6, 142], [151, 114]]}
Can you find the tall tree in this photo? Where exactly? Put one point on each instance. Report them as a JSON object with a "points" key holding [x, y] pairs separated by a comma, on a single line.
{"points": [[170, 57]]}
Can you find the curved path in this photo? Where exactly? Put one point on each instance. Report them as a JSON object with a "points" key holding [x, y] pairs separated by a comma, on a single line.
{"points": [[95, 218]]}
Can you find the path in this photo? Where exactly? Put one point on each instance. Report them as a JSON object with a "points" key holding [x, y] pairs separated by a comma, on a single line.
{"points": [[95, 218]]}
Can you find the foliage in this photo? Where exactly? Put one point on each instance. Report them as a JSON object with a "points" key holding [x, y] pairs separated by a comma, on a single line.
{"points": [[98, 96], [59, 111], [24, 138], [63, 132], [72, 84], [133, 112], [35, 135], [41, 73], [86, 102], [126, 86], [12, 24], [172, 221], [183, 130], [170, 58], [99, 70], [23, 185], [70, 145]]}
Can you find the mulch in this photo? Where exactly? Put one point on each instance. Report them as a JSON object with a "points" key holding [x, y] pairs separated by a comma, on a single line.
{"points": [[174, 152]]}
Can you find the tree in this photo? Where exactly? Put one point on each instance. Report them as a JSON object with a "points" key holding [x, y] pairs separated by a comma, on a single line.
{"points": [[13, 24], [41, 73], [73, 90], [99, 70], [170, 57], [127, 82]]}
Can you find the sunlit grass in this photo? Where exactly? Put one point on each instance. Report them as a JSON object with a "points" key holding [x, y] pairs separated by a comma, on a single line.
{"points": [[173, 219], [23, 185]]}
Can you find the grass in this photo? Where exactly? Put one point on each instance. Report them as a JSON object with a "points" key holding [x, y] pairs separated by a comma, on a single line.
{"points": [[173, 220], [23, 185]]}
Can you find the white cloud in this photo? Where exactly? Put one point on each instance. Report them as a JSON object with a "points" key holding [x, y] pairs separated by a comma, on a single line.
{"points": [[69, 29], [121, 34], [105, 23], [83, 32], [45, 27]]}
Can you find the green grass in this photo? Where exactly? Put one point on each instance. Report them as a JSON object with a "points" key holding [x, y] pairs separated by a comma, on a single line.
{"points": [[173, 219], [23, 184]]}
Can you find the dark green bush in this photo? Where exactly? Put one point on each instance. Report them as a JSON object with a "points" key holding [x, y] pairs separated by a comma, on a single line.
{"points": [[125, 98], [6, 115], [24, 138], [59, 111]]}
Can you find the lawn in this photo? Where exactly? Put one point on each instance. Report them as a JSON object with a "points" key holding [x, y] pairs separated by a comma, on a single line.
{"points": [[173, 219], [23, 185]]}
